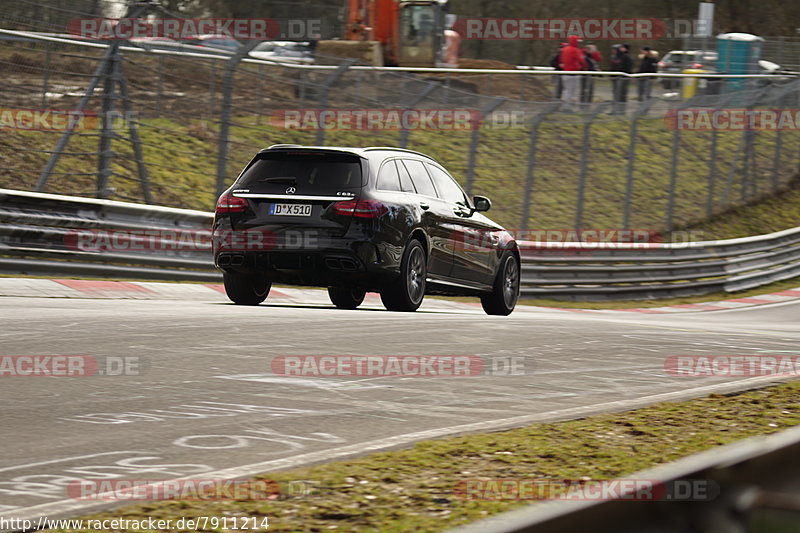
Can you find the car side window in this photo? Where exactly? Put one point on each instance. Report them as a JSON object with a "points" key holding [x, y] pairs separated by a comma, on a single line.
{"points": [[405, 178], [422, 181], [449, 190], [388, 178]]}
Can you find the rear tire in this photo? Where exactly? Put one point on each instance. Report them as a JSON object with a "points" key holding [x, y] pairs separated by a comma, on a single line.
{"points": [[346, 297], [409, 291], [245, 289], [503, 299]]}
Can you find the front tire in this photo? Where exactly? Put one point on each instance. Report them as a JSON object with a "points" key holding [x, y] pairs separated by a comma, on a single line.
{"points": [[346, 297], [245, 289], [408, 293], [504, 296]]}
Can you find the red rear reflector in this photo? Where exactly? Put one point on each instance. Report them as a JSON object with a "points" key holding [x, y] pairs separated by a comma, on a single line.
{"points": [[360, 208], [228, 203]]}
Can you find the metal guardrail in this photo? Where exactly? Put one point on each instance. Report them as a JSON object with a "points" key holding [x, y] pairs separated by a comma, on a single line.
{"points": [[757, 480], [585, 271], [38, 234]]}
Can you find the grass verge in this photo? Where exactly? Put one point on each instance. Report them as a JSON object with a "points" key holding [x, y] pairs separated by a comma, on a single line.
{"points": [[412, 489]]}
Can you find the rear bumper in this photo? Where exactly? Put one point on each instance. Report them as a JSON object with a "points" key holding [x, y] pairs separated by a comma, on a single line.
{"points": [[361, 263]]}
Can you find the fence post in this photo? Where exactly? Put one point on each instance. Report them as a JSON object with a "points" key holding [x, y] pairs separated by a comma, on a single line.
{"points": [[104, 153], [588, 118], [673, 177], [227, 108], [332, 78], [640, 111], [160, 85], [212, 82], [776, 158], [529, 173], [133, 131], [712, 163], [475, 139], [46, 73], [429, 88], [64, 139], [259, 95]]}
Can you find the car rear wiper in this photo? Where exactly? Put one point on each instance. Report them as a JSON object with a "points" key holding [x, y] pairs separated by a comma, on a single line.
{"points": [[287, 180]]}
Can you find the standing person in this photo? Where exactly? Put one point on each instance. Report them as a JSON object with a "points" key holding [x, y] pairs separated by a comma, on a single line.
{"points": [[593, 58], [648, 63], [572, 59], [621, 63], [555, 62]]}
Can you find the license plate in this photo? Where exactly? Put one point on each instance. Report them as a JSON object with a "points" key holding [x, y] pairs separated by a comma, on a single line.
{"points": [[292, 210]]}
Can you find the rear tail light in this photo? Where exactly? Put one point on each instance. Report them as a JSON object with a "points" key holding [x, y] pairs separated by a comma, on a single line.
{"points": [[228, 203], [360, 208], [661, 64]]}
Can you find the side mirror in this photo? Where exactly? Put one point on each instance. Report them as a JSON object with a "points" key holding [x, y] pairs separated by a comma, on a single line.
{"points": [[481, 203]]}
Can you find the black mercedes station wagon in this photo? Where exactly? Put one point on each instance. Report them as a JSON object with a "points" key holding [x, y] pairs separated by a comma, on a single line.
{"points": [[354, 220]]}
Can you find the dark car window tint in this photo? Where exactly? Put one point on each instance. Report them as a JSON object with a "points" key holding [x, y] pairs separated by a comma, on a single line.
{"points": [[388, 178], [448, 189], [422, 181], [308, 172], [405, 179]]}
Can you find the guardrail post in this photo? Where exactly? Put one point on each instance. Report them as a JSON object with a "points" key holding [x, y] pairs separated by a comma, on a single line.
{"points": [[527, 200], [227, 108], [640, 111], [588, 118], [332, 78], [429, 88], [475, 139]]}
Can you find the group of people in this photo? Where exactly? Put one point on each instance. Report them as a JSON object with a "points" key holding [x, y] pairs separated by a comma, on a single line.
{"points": [[572, 57]]}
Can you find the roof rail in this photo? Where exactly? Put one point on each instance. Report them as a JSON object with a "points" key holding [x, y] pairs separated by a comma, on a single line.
{"points": [[375, 148], [283, 146]]}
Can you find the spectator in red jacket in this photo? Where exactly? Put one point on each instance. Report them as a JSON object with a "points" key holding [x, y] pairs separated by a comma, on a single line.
{"points": [[572, 59]]}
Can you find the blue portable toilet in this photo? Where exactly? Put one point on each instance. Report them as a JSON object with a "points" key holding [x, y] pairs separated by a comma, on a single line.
{"points": [[738, 53]]}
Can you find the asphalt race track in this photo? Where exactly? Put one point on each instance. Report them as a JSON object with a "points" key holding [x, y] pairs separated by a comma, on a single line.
{"points": [[206, 403]]}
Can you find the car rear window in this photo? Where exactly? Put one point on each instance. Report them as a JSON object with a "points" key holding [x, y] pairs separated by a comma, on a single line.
{"points": [[388, 178], [308, 172]]}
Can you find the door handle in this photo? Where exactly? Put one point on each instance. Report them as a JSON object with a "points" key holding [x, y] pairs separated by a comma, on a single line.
{"points": [[425, 206]]}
